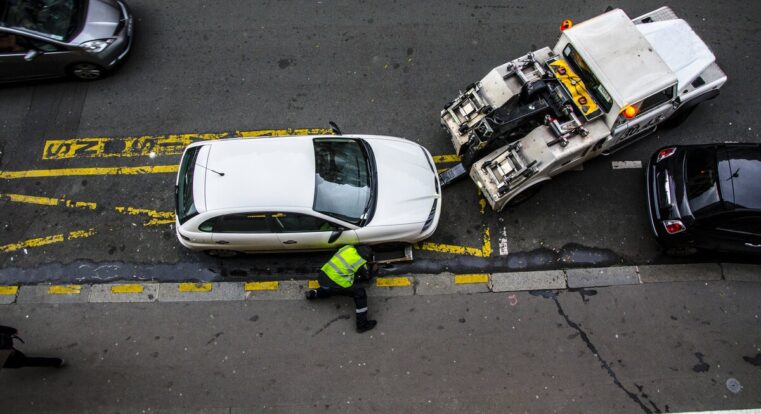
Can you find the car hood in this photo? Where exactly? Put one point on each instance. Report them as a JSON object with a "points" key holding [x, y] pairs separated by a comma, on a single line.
{"points": [[100, 23], [406, 183]]}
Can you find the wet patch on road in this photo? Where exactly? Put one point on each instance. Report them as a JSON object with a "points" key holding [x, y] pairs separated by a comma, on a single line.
{"points": [[701, 366]]}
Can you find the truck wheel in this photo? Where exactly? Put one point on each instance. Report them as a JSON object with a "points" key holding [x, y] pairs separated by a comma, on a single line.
{"points": [[678, 118], [525, 195]]}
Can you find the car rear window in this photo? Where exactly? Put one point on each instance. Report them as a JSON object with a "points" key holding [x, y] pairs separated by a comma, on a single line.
{"points": [[701, 182], [745, 173]]}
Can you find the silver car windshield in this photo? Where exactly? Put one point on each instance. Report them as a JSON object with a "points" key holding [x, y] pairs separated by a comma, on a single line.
{"points": [[343, 187], [57, 19]]}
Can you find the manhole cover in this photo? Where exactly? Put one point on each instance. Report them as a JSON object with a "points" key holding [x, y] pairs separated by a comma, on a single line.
{"points": [[734, 386]]}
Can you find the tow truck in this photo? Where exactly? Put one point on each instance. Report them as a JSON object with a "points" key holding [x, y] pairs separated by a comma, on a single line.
{"points": [[608, 82]]}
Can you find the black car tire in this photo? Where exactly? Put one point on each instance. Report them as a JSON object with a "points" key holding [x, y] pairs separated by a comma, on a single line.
{"points": [[86, 71], [523, 196], [221, 253]]}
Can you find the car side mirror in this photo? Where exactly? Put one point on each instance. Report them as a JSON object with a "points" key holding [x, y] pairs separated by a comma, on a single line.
{"points": [[31, 54], [335, 235]]}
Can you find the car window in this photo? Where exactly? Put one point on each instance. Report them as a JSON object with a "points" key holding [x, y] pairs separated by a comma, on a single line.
{"points": [[657, 99], [57, 19], [296, 223], [342, 179], [238, 223], [701, 182], [10, 44], [745, 225]]}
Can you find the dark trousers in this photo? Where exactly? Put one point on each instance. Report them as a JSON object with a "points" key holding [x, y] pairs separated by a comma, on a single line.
{"points": [[328, 288], [17, 359]]}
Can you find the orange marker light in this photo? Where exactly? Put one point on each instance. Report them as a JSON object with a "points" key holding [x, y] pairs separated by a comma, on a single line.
{"points": [[630, 111], [567, 24]]}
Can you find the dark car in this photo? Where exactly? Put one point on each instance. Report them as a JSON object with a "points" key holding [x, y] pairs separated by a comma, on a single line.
{"points": [[706, 197], [52, 38]]}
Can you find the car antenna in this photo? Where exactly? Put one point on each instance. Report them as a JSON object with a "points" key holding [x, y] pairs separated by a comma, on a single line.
{"points": [[221, 174], [335, 128]]}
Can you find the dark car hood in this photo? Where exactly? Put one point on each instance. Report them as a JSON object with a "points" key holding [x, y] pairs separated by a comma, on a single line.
{"points": [[100, 22]]}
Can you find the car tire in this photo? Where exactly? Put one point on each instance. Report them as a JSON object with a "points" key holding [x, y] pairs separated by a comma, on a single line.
{"points": [[86, 71], [523, 196], [221, 253]]}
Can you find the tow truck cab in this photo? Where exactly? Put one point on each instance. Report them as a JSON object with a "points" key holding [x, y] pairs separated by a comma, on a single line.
{"points": [[607, 82]]}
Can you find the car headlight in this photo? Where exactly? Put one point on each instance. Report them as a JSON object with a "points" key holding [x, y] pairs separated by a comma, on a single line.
{"points": [[96, 46]]}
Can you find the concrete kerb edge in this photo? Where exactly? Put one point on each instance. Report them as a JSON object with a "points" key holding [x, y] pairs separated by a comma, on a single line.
{"points": [[419, 284]]}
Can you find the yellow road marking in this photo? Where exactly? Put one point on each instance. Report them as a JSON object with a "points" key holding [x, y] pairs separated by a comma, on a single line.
{"points": [[441, 170], [472, 278], [128, 288], [63, 172], [42, 241], [156, 217], [151, 145], [446, 158], [486, 248], [313, 284], [484, 251], [249, 286], [194, 287], [48, 201], [65, 289], [8, 290], [393, 282]]}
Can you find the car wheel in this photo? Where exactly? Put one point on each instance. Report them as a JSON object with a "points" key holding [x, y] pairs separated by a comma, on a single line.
{"points": [[221, 253], [681, 251], [86, 71], [525, 195]]}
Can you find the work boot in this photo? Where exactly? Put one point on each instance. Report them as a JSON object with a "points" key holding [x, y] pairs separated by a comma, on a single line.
{"points": [[310, 294], [368, 325]]}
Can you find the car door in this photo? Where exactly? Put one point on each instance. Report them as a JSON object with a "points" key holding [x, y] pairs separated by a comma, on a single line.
{"points": [[298, 231], [12, 63], [740, 235], [648, 114], [244, 232], [24, 57]]}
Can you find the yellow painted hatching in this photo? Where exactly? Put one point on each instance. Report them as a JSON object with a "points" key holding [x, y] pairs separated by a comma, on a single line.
{"points": [[8, 290], [471, 278], [273, 285], [128, 288], [393, 282], [42, 241], [194, 287]]}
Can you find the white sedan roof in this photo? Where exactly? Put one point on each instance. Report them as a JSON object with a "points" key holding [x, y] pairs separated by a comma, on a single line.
{"points": [[621, 57], [258, 173]]}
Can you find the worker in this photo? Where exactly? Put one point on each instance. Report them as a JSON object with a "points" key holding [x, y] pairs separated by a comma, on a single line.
{"points": [[338, 276]]}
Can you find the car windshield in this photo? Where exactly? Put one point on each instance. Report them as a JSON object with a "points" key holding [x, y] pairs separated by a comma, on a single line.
{"points": [[185, 207], [590, 80], [343, 179], [56, 19], [701, 182]]}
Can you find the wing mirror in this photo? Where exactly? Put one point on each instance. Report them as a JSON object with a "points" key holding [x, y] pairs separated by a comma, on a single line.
{"points": [[335, 235], [31, 54]]}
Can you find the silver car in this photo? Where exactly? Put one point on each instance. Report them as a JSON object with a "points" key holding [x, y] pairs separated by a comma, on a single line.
{"points": [[53, 38]]}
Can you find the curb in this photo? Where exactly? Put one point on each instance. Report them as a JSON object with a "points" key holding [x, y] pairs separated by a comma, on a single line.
{"points": [[417, 284]]}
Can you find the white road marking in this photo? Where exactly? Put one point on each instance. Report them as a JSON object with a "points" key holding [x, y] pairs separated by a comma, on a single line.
{"points": [[503, 243], [620, 165]]}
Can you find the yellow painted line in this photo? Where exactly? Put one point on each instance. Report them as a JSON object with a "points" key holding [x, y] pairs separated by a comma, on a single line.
{"points": [[393, 282], [42, 241], [486, 248], [156, 217], [446, 158], [128, 288], [441, 170], [64, 172], [472, 278], [194, 287], [8, 290], [151, 145], [451, 249], [65, 289], [249, 286], [482, 205], [313, 284], [48, 201]]}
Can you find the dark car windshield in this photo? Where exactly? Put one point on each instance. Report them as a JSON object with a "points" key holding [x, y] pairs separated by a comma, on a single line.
{"points": [[56, 19], [343, 179], [185, 207], [701, 181], [590, 80]]}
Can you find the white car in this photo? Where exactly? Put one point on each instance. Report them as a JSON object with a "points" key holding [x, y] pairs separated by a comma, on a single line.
{"points": [[305, 193]]}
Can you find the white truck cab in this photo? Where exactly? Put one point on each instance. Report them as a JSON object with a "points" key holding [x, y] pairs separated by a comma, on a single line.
{"points": [[607, 82]]}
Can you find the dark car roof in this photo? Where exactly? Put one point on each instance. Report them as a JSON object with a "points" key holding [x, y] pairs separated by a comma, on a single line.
{"points": [[744, 174]]}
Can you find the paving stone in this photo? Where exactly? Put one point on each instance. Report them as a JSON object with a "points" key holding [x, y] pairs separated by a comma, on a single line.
{"points": [[602, 276], [679, 272], [103, 293], [741, 272], [170, 292], [40, 294], [515, 281], [444, 284], [287, 290]]}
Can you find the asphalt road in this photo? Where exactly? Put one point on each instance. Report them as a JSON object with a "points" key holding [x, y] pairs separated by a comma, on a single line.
{"points": [[203, 67], [631, 349]]}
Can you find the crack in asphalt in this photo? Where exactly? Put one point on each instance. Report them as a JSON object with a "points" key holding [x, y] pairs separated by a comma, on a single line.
{"points": [[603, 363], [336, 319]]}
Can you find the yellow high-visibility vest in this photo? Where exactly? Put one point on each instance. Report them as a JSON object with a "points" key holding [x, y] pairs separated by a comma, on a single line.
{"points": [[342, 267]]}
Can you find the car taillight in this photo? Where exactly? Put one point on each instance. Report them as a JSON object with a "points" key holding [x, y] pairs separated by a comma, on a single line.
{"points": [[665, 153], [674, 226]]}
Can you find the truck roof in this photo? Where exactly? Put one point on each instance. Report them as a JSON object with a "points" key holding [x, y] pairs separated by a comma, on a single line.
{"points": [[621, 57]]}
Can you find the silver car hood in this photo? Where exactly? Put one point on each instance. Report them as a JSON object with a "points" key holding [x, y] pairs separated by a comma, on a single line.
{"points": [[100, 23]]}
